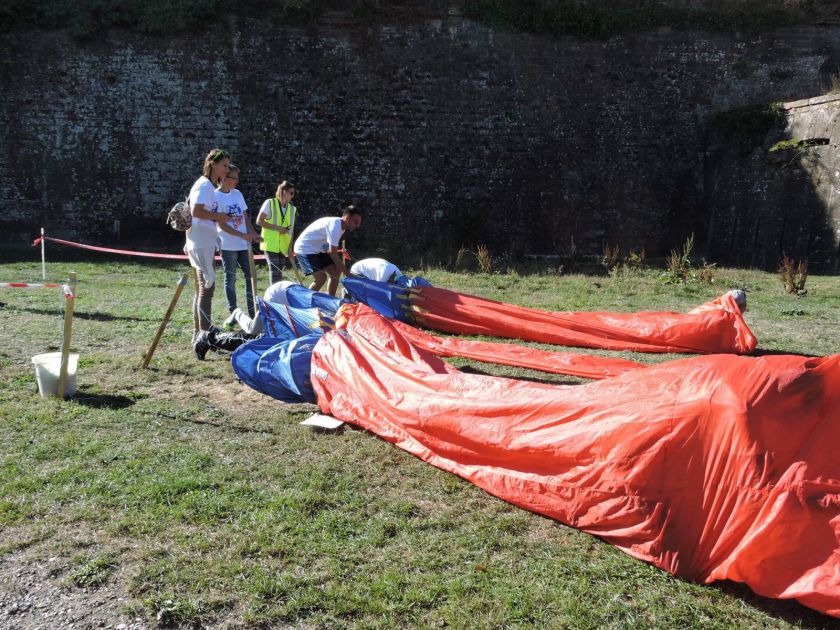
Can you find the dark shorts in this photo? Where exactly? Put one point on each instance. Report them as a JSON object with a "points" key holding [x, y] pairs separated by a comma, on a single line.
{"points": [[310, 263]]}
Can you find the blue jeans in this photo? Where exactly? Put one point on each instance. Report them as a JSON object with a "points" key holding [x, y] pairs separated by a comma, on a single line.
{"points": [[232, 258]]}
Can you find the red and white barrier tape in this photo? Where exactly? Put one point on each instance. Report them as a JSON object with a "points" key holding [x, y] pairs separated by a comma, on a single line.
{"points": [[68, 292], [28, 285], [124, 252]]}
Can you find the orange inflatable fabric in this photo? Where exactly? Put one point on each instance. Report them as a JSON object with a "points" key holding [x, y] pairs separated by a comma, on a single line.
{"points": [[711, 468], [583, 365], [714, 327]]}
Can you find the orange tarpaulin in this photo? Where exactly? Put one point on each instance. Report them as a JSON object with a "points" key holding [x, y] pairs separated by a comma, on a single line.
{"points": [[711, 468], [716, 326], [583, 365]]}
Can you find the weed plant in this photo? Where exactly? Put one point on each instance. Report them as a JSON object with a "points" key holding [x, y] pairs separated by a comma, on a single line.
{"points": [[617, 265], [204, 503], [485, 260], [793, 275]]}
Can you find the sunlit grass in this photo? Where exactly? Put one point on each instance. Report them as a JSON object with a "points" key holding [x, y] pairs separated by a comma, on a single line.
{"points": [[212, 505]]}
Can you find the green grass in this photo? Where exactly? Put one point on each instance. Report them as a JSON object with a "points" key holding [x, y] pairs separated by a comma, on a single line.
{"points": [[203, 502]]}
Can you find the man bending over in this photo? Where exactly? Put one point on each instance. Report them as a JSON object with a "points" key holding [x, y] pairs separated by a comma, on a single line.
{"points": [[316, 249]]}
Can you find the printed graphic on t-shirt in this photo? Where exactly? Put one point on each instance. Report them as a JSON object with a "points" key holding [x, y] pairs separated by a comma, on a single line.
{"points": [[234, 211]]}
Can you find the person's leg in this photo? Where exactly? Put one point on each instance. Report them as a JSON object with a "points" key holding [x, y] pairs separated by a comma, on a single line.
{"points": [[229, 261], [246, 272], [205, 301], [251, 326], [196, 318], [334, 275], [274, 260], [319, 279]]}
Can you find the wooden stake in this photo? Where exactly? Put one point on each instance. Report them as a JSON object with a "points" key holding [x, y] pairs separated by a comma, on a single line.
{"points": [[43, 258], [69, 302], [182, 282]]}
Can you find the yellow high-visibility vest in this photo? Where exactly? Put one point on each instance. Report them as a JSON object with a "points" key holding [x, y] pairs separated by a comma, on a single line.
{"points": [[274, 241]]}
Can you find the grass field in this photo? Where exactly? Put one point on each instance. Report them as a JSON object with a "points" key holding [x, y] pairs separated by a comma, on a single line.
{"points": [[203, 502]]}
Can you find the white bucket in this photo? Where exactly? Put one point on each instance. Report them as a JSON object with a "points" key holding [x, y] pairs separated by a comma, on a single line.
{"points": [[48, 369]]}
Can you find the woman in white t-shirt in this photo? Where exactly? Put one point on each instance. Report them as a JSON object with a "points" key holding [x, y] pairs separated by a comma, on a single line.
{"points": [[236, 237], [201, 237]]}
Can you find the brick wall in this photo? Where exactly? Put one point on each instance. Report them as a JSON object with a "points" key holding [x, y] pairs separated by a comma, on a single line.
{"points": [[447, 132]]}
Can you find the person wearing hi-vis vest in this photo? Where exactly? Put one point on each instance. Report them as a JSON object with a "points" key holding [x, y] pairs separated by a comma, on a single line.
{"points": [[277, 220]]}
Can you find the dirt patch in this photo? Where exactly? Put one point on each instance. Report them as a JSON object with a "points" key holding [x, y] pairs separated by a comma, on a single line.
{"points": [[35, 593]]}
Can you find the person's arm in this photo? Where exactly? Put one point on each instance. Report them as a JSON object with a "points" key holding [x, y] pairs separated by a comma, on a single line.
{"points": [[225, 227], [262, 221], [269, 226], [200, 211], [338, 259], [292, 240], [255, 236]]}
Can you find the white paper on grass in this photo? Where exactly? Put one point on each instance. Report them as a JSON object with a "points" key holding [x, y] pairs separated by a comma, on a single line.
{"points": [[321, 421]]}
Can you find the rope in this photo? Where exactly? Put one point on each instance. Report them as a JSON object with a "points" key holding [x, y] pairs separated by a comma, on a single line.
{"points": [[30, 285], [122, 252]]}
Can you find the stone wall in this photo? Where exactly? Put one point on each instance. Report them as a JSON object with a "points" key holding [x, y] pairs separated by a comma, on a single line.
{"points": [[772, 201], [445, 131]]}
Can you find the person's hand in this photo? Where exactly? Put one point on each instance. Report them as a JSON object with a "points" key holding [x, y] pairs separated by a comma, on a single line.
{"points": [[257, 238]]}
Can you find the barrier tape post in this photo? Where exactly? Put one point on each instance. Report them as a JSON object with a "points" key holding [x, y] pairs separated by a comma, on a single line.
{"points": [[43, 258], [182, 282], [253, 278], [69, 300]]}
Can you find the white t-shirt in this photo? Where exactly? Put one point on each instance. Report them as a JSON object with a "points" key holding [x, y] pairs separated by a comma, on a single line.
{"points": [[202, 233], [319, 236], [377, 269], [277, 292], [233, 204]]}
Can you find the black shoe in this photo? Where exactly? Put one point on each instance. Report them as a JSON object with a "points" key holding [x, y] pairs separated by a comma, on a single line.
{"points": [[227, 342], [201, 345]]}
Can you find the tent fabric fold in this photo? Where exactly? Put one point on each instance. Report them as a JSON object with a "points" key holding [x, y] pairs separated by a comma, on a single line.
{"points": [[573, 364], [714, 327], [711, 468]]}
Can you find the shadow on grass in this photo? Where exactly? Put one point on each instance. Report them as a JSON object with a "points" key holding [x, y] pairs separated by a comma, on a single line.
{"points": [[788, 610], [759, 352], [96, 317], [104, 401], [233, 427], [559, 380]]}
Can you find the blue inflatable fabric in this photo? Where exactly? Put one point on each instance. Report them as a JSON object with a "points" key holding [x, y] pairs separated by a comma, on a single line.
{"points": [[280, 369], [287, 322], [388, 300]]}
